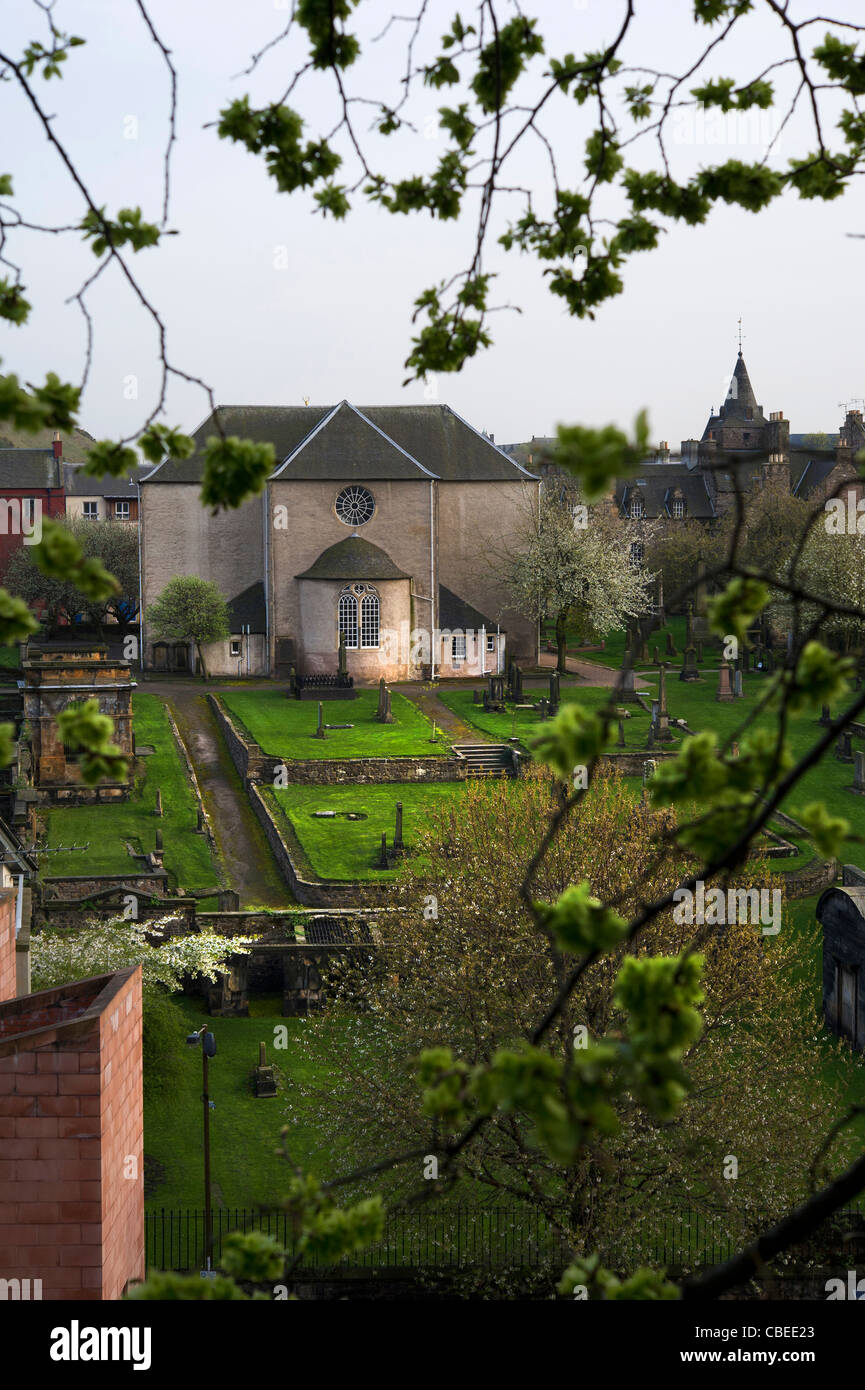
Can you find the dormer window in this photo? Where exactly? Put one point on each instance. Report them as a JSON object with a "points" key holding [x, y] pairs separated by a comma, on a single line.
{"points": [[637, 509], [678, 507]]}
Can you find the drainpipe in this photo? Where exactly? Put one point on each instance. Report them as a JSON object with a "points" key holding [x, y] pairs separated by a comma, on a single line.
{"points": [[432, 586], [19, 906], [266, 506], [483, 651], [140, 586]]}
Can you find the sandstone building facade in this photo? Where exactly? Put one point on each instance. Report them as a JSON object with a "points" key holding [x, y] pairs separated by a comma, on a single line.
{"points": [[377, 526]]}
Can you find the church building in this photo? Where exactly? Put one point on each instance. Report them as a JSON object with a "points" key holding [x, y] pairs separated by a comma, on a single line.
{"points": [[378, 526]]}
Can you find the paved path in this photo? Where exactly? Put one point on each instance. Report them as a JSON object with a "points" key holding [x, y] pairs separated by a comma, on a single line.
{"points": [[588, 672], [427, 700], [247, 859]]}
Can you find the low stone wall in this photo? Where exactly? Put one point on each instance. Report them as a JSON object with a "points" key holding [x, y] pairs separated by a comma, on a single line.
{"points": [[813, 877], [254, 765], [80, 795], [309, 892], [75, 888], [630, 763]]}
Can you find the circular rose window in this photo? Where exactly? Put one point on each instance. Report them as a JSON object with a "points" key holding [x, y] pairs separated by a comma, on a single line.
{"points": [[355, 505]]}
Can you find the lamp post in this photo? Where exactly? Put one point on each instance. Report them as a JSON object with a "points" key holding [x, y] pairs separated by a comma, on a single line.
{"points": [[208, 1050]]}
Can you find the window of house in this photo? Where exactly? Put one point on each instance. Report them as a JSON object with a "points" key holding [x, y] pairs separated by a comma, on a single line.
{"points": [[235, 646], [458, 647], [491, 642], [91, 511], [28, 513], [348, 619], [749, 412], [746, 436], [121, 511], [637, 507], [678, 507], [636, 554], [369, 616]]}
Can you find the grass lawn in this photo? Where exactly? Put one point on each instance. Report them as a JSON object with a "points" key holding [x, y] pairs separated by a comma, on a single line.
{"points": [[285, 728], [614, 645], [244, 1130], [345, 849], [694, 701], [108, 828]]}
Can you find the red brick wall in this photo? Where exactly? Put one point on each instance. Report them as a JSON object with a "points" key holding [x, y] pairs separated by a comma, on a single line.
{"points": [[53, 503], [7, 944], [122, 1140], [70, 1112]]}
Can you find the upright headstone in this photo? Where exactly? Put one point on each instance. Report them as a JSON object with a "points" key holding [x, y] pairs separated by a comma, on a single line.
{"points": [[738, 685], [725, 688], [397, 834], [319, 733], [159, 810], [159, 844], [383, 862], [689, 625], [554, 688], [859, 774], [825, 715], [689, 670], [628, 693], [700, 652], [654, 656], [383, 714], [543, 707], [663, 733], [844, 747], [671, 646]]}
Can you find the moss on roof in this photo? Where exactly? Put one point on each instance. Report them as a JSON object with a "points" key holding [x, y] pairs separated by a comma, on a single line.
{"points": [[353, 558]]}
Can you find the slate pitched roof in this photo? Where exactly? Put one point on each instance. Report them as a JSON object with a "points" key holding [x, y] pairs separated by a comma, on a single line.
{"points": [[348, 443], [353, 558], [248, 608], [81, 484], [659, 485], [812, 475], [456, 613], [23, 468]]}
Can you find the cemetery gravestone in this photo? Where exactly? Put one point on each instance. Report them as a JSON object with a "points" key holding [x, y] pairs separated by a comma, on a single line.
{"points": [[725, 689]]}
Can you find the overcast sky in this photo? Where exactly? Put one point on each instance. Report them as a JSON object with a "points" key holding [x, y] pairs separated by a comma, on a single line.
{"points": [[270, 304]]}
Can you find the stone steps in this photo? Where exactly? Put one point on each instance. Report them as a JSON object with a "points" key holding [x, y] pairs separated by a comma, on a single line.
{"points": [[486, 759]]}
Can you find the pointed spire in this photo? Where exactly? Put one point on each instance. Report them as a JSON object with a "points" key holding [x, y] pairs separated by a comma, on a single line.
{"points": [[740, 395]]}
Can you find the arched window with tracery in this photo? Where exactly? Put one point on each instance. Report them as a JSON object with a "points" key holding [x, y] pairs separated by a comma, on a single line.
{"points": [[369, 620], [348, 619]]}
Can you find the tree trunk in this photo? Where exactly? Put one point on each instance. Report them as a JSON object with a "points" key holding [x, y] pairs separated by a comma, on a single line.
{"points": [[201, 659], [562, 642]]}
